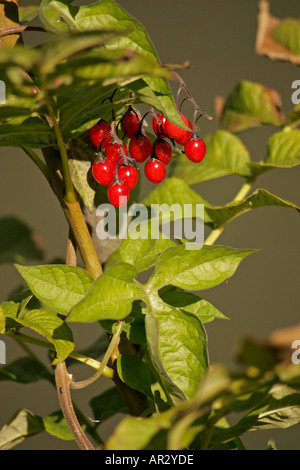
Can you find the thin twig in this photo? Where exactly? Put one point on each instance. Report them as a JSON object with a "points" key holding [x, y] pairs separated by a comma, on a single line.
{"points": [[21, 29], [63, 381], [111, 347], [190, 97]]}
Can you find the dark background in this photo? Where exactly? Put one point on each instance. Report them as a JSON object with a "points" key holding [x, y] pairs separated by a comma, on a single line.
{"points": [[218, 38]]}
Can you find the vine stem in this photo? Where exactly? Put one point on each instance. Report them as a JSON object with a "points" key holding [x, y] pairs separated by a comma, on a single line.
{"points": [[63, 380], [21, 29], [107, 371], [69, 192], [111, 347], [242, 193], [74, 215]]}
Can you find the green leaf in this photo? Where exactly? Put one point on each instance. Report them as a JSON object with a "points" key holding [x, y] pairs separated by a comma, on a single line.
{"points": [[18, 242], [135, 373], [131, 249], [24, 370], [49, 325], [58, 286], [191, 303], [56, 425], [108, 15], [28, 13], [195, 269], [134, 326], [177, 345], [110, 297], [284, 149], [31, 132], [137, 434], [279, 409], [251, 105], [287, 33], [259, 198], [107, 404], [149, 259], [23, 424], [174, 200], [173, 191], [225, 155]]}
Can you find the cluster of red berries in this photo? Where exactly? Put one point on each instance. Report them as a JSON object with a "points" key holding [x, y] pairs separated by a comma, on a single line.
{"points": [[117, 170]]}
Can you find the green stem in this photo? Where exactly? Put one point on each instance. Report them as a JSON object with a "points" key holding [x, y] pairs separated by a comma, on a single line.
{"points": [[213, 236], [112, 344], [69, 191], [107, 371], [74, 215], [38, 162], [242, 193]]}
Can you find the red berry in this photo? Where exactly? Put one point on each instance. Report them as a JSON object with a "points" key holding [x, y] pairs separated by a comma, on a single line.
{"points": [[113, 152], [163, 151], [129, 175], [140, 148], [103, 172], [118, 194], [130, 124], [98, 132], [159, 129], [175, 132], [155, 170], [186, 136], [195, 149]]}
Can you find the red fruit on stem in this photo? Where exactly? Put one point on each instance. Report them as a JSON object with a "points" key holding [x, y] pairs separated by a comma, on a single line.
{"points": [[155, 170], [129, 175], [163, 151], [157, 128], [186, 136], [140, 148], [175, 132], [103, 172], [130, 124], [98, 132], [113, 152], [195, 149], [118, 194]]}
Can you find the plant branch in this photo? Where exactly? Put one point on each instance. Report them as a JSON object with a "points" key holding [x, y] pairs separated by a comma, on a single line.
{"points": [[73, 214], [69, 191], [107, 372], [242, 193], [63, 381], [183, 86], [111, 347], [20, 29]]}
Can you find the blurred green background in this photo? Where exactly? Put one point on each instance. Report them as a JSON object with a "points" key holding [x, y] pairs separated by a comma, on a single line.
{"points": [[218, 38]]}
